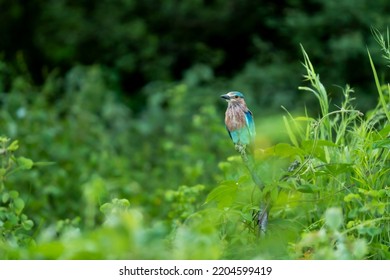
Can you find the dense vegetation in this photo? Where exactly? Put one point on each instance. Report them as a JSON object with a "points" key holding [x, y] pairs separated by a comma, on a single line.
{"points": [[254, 42], [125, 155]]}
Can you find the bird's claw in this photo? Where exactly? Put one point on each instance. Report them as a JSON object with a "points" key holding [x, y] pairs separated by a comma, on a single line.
{"points": [[241, 148]]}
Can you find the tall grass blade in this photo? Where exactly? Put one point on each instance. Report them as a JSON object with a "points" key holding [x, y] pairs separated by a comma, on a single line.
{"points": [[379, 88]]}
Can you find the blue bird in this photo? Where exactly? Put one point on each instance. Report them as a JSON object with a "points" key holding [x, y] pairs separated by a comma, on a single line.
{"points": [[241, 128], [239, 122]]}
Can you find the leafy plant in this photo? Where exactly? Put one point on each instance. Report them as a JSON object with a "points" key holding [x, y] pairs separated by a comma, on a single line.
{"points": [[342, 165], [15, 226], [165, 182]]}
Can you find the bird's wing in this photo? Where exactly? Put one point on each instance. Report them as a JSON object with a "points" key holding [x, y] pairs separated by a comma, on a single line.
{"points": [[230, 135], [250, 123]]}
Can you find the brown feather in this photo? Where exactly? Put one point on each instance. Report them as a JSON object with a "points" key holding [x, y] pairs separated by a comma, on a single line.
{"points": [[235, 115]]}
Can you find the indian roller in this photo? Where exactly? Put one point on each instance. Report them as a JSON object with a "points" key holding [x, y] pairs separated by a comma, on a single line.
{"points": [[239, 122], [241, 128]]}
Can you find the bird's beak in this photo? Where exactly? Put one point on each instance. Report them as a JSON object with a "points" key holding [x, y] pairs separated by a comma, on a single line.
{"points": [[225, 96]]}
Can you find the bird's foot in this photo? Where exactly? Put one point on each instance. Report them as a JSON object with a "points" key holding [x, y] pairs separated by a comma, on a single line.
{"points": [[240, 148]]}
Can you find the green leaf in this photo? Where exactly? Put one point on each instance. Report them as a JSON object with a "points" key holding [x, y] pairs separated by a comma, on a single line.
{"points": [[13, 194], [308, 188], [382, 97], [352, 196], [284, 150], [3, 139], [124, 203], [385, 131], [24, 163], [223, 195], [290, 132], [19, 205], [28, 224], [115, 205], [5, 197], [338, 168], [3, 171], [385, 143], [14, 146], [317, 148], [371, 230]]}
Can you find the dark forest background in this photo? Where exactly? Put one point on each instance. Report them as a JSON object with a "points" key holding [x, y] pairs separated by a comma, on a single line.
{"points": [[143, 42]]}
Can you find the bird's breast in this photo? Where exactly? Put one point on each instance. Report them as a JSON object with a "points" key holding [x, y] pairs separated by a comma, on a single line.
{"points": [[234, 118]]}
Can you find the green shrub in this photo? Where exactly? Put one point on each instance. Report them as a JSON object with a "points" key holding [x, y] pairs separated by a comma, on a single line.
{"points": [[167, 183], [15, 226]]}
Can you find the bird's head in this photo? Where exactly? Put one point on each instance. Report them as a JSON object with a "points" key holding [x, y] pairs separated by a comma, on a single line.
{"points": [[234, 97]]}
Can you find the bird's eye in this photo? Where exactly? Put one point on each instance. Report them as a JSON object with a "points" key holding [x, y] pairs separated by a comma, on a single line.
{"points": [[236, 96]]}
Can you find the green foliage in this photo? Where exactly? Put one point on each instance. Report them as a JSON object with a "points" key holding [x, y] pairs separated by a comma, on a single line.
{"points": [[340, 151], [182, 202], [330, 243], [15, 226], [166, 183]]}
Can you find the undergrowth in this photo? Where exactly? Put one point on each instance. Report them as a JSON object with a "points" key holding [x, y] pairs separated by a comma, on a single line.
{"points": [[329, 183]]}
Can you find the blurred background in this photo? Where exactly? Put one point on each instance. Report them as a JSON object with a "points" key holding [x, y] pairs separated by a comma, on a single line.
{"points": [[123, 96], [144, 42]]}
